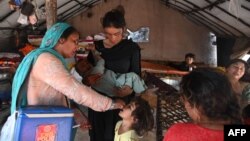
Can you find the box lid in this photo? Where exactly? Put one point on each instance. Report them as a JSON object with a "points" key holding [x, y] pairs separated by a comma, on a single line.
{"points": [[45, 111]]}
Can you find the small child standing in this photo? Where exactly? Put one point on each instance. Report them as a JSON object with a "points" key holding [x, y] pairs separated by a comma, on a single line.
{"points": [[137, 119]]}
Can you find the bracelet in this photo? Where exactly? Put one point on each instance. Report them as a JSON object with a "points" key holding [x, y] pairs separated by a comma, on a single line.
{"points": [[112, 106]]}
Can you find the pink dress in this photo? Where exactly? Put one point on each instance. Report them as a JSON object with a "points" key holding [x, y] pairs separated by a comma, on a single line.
{"points": [[192, 132], [49, 82]]}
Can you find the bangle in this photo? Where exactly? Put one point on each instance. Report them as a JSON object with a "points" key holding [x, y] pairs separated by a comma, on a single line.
{"points": [[112, 106]]}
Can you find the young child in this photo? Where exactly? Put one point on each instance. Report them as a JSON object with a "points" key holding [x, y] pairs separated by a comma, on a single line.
{"points": [[106, 81], [110, 79], [137, 119], [188, 64]]}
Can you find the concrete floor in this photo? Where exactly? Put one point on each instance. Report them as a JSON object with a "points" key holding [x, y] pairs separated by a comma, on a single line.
{"points": [[82, 135]]}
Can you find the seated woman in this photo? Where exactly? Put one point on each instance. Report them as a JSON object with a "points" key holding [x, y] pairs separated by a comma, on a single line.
{"points": [[235, 70], [209, 100]]}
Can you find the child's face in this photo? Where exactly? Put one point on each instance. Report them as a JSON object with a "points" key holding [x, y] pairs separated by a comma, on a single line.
{"points": [[189, 60], [84, 66], [126, 112]]}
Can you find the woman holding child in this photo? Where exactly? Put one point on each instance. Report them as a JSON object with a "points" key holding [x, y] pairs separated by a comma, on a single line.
{"points": [[121, 56]]}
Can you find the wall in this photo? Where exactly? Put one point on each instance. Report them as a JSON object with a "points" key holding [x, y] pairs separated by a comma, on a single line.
{"points": [[171, 34]]}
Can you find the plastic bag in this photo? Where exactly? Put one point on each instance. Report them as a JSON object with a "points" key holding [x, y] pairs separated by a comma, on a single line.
{"points": [[23, 19], [8, 130], [141, 35]]}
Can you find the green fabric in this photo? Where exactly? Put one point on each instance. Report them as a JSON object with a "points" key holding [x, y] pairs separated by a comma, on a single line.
{"points": [[48, 43]]}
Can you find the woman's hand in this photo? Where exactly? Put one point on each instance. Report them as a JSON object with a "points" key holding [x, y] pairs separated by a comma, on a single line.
{"points": [[124, 91], [118, 104]]}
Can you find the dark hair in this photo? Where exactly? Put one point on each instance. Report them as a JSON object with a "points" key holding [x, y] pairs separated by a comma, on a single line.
{"points": [[68, 32], [143, 114], [233, 61], [191, 55], [114, 18], [211, 92]]}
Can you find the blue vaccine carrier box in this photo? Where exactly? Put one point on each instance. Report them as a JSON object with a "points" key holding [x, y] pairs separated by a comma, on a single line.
{"points": [[44, 124]]}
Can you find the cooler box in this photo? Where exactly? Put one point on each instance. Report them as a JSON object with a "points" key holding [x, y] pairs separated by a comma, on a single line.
{"points": [[44, 124]]}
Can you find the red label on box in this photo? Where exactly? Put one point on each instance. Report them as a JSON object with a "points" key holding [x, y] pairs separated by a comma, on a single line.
{"points": [[46, 132]]}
